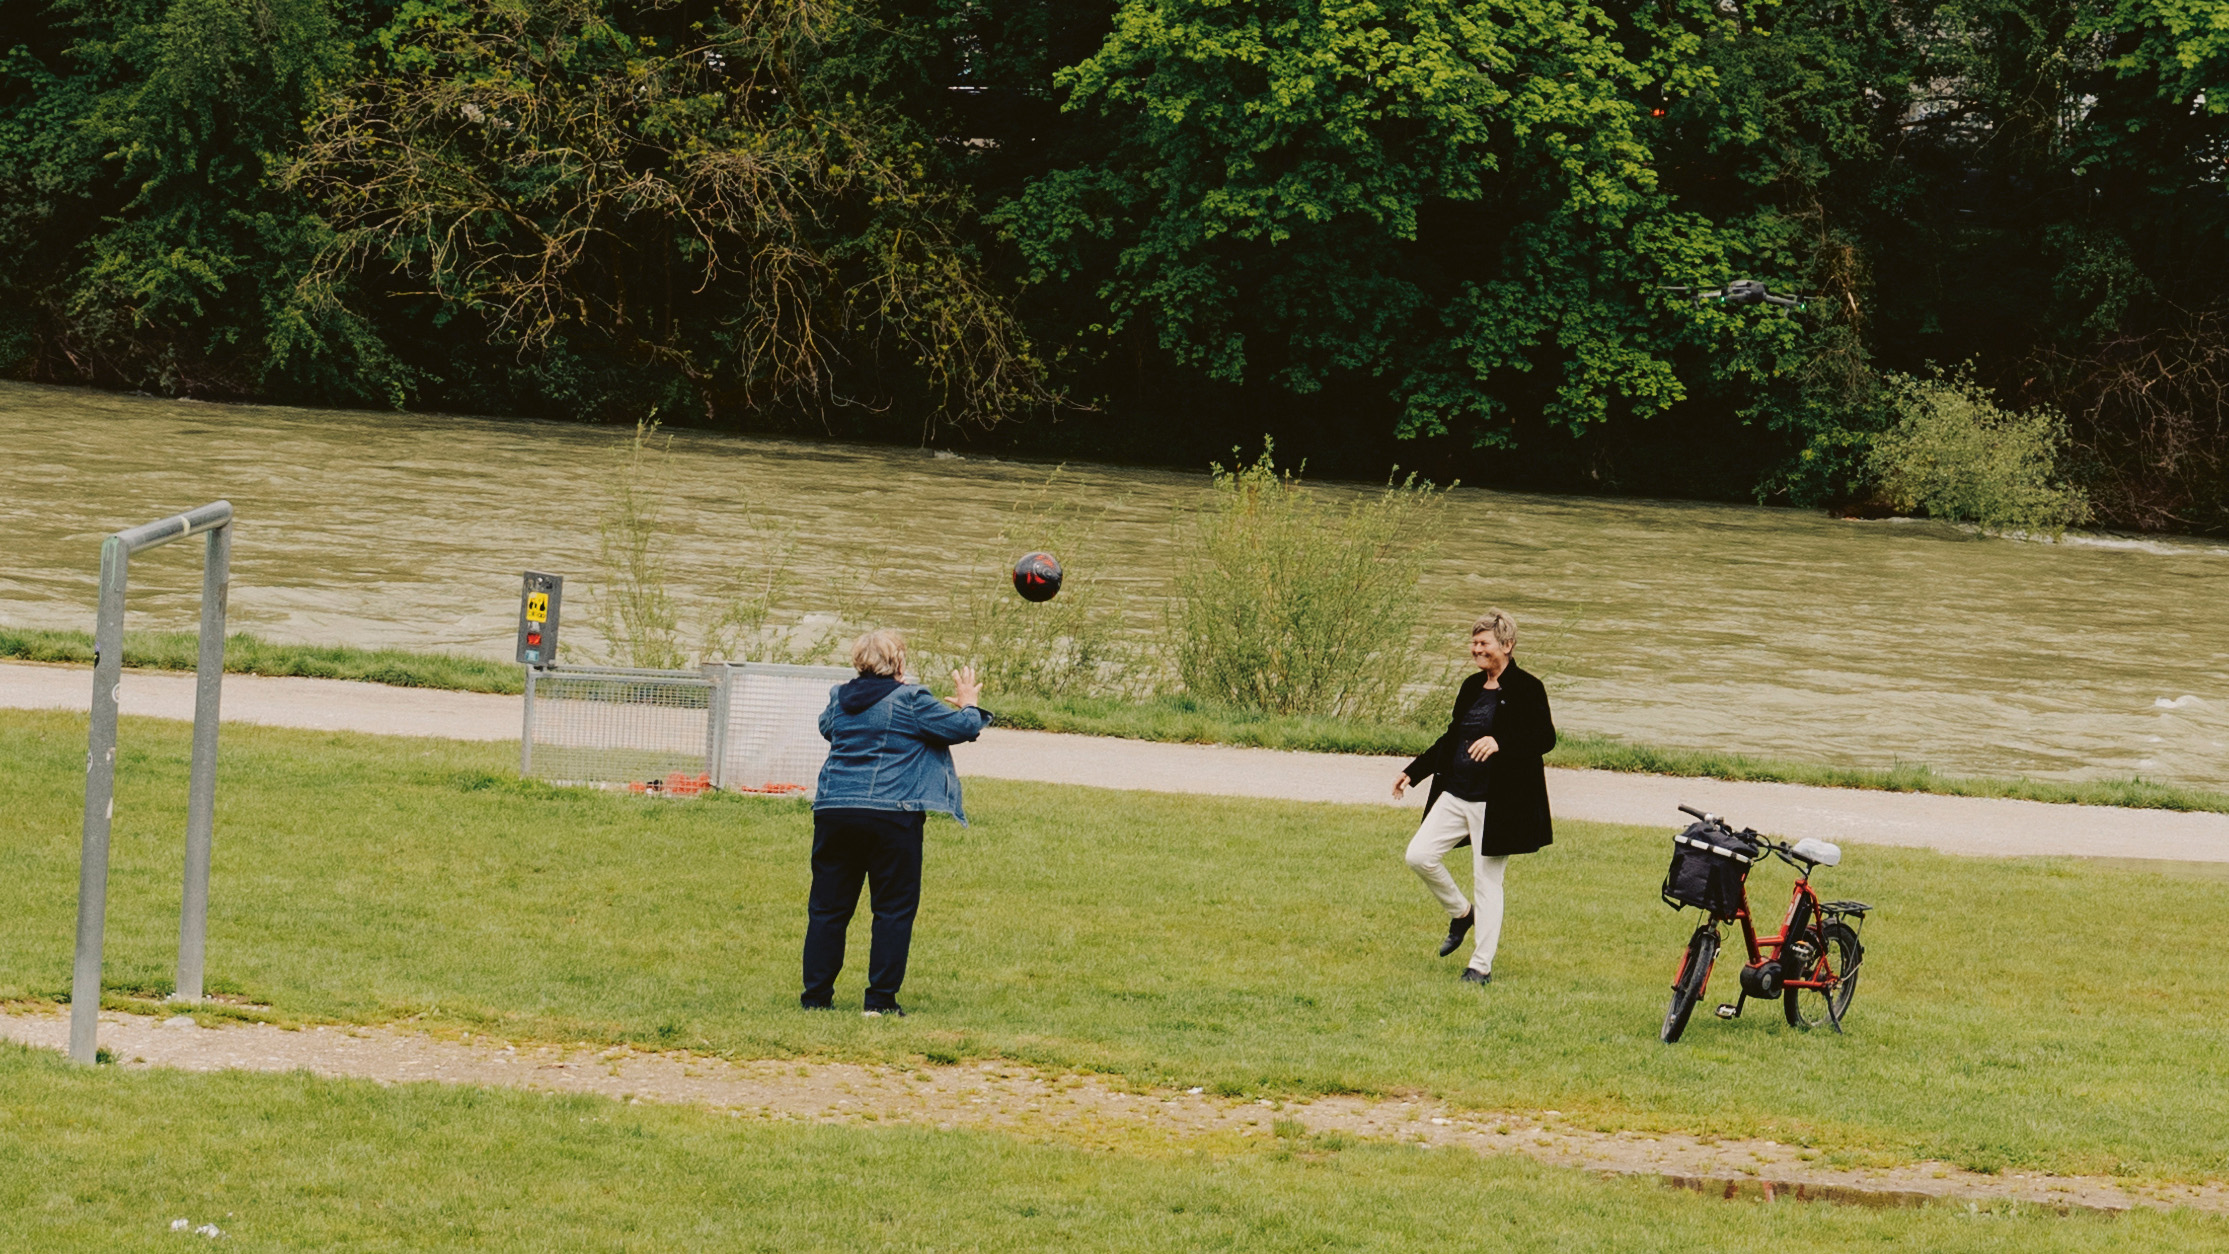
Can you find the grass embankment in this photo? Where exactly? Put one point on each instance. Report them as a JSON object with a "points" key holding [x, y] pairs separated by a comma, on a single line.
{"points": [[107, 1160], [110, 1159], [1253, 947], [1172, 719], [245, 654]]}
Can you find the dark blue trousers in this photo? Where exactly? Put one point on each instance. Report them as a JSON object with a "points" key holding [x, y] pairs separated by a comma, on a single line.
{"points": [[883, 848]]}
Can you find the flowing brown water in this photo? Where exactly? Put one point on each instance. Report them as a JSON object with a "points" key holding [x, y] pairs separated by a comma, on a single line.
{"points": [[1707, 626]]}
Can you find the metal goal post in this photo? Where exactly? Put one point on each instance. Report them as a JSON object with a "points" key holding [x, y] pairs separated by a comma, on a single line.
{"points": [[735, 726], [215, 521]]}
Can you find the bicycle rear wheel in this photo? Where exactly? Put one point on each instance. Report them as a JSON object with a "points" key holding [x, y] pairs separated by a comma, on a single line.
{"points": [[1694, 974], [1808, 1008]]}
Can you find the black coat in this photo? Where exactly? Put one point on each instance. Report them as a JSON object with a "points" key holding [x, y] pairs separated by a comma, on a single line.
{"points": [[1516, 784]]}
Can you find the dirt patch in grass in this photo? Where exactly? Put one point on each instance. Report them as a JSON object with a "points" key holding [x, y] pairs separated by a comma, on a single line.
{"points": [[1073, 1109]]}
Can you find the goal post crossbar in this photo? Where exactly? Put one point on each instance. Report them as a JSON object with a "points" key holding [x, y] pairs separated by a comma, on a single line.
{"points": [[213, 520]]}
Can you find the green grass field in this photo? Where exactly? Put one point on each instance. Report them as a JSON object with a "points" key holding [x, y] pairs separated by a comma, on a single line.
{"points": [[2015, 1014], [1177, 719], [105, 1160]]}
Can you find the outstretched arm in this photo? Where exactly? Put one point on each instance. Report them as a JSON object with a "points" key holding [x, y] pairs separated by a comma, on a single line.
{"points": [[941, 723]]}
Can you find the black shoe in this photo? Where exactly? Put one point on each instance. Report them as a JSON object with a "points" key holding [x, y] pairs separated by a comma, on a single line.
{"points": [[1457, 929], [1471, 976], [808, 1004], [882, 1012]]}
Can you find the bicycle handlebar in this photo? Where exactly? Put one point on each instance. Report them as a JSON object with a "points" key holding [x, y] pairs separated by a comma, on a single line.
{"points": [[1785, 852]]}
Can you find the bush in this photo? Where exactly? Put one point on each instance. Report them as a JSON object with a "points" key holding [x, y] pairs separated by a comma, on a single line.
{"points": [[1957, 455], [1291, 604], [633, 608]]}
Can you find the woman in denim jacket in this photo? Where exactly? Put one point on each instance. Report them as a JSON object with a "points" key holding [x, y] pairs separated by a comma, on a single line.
{"points": [[889, 764]]}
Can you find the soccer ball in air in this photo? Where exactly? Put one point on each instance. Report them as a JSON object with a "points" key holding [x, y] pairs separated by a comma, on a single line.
{"points": [[1037, 577]]}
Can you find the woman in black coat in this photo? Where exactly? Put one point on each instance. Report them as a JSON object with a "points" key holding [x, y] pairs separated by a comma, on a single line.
{"points": [[1489, 790]]}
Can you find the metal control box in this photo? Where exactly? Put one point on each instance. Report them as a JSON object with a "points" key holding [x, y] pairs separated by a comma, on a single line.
{"points": [[541, 601]]}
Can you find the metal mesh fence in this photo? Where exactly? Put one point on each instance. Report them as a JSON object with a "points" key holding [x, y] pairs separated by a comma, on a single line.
{"points": [[616, 726], [771, 739], [742, 726]]}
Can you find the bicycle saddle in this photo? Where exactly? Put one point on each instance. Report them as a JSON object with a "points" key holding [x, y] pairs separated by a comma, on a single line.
{"points": [[1818, 852]]}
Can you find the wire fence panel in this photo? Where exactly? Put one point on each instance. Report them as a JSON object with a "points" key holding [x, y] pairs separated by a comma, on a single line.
{"points": [[609, 725], [771, 739]]}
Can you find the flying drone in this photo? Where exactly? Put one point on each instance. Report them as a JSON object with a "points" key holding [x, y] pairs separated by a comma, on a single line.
{"points": [[1739, 292]]}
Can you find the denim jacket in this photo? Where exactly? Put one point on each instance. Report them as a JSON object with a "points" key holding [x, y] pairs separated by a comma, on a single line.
{"points": [[894, 754]]}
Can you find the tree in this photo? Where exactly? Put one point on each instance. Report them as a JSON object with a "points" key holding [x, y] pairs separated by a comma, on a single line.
{"points": [[666, 189]]}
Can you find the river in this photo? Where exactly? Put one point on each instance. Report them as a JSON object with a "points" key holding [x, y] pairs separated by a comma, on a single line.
{"points": [[1766, 631]]}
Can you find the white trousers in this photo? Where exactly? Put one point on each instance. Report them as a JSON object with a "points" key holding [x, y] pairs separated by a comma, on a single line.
{"points": [[1451, 819]]}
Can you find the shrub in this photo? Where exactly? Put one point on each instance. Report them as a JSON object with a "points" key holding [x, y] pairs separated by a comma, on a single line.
{"points": [[1953, 452], [1290, 603], [631, 606], [637, 613]]}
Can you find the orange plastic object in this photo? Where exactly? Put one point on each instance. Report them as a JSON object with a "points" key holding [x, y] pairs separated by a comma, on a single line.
{"points": [[679, 785]]}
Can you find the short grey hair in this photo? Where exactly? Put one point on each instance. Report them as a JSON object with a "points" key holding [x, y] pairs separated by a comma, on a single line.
{"points": [[1501, 624], [879, 652]]}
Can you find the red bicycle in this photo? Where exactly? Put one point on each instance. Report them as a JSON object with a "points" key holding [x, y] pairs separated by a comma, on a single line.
{"points": [[1815, 957]]}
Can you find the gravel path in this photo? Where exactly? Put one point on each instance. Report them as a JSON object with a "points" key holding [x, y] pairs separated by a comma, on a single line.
{"points": [[1073, 1109], [1961, 825]]}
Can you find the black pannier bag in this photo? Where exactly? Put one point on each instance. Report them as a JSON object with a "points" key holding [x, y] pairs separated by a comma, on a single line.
{"points": [[1709, 864]]}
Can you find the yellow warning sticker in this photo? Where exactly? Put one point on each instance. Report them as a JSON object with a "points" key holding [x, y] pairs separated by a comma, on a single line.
{"points": [[538, 607]]}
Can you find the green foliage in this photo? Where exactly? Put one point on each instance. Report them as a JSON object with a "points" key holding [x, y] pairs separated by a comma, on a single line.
{"points": [[642, 620], [150, 244], [1291, 603], [632, 606], [1292, 179], [565, 171], [1958, 455]]}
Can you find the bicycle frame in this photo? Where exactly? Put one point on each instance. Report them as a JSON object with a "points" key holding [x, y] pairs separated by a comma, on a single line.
{"points": [[1803, 910]]}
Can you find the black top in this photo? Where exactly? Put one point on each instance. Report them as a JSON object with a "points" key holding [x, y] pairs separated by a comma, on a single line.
{"points": [[1463, 777], [1517, 819]]}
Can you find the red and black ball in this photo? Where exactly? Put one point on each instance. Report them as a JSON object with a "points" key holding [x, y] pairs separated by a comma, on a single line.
{"points": [[1037, 577]]}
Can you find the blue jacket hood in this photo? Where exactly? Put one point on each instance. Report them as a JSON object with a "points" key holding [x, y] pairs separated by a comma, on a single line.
{"points": [[862, 693]]}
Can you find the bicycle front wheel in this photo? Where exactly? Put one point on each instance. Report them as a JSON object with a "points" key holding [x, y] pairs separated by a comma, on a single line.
{"points": [[1808, 1008], [1694, 974]]}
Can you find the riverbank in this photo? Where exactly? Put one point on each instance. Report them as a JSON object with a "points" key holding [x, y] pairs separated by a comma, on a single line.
{"points": [[1169, 720]]}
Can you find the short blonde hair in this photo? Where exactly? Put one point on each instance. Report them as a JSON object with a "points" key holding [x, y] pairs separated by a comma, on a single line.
{"points": [[879, 652], [1501, 624]]}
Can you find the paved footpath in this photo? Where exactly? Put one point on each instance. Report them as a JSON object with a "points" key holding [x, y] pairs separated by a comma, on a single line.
{"points": [[1962, 825]]}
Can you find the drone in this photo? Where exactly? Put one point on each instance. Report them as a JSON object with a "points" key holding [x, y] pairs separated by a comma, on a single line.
{"points": [[1739, 292]]}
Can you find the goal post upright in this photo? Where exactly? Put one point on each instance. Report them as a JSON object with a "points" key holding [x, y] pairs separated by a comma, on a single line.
{"points": [[215, 521]]}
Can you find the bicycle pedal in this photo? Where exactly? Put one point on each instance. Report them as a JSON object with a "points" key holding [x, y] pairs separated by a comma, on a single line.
{"points": [[1727, 1012]]}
